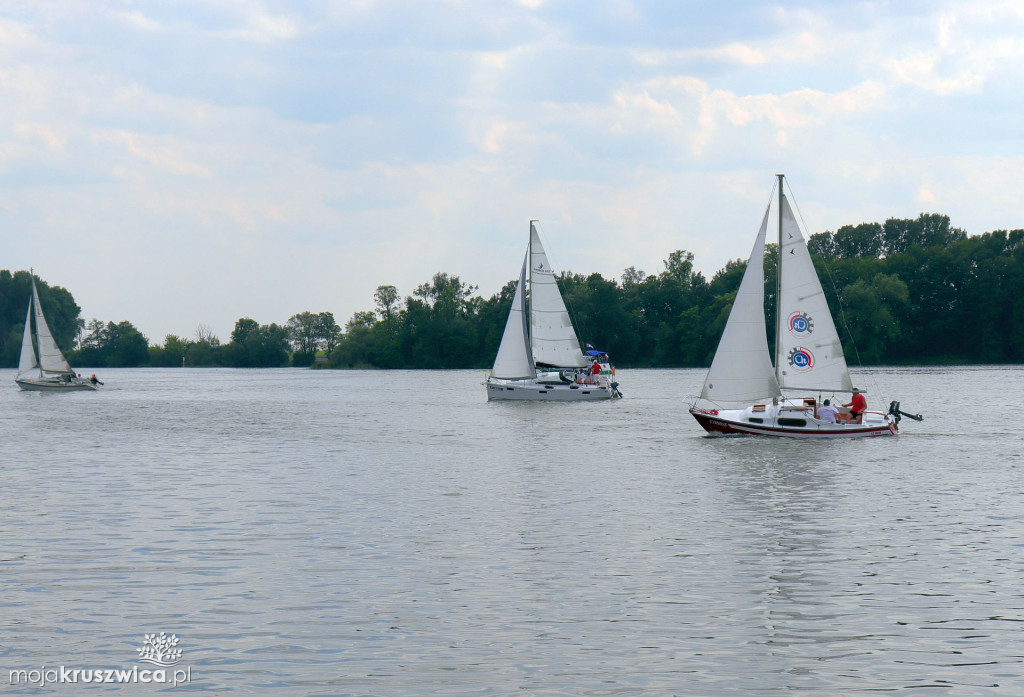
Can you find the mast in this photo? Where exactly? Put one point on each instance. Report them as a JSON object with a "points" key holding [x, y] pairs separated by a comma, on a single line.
{"points": [[528, 304], [778, 292], [37, 351]]}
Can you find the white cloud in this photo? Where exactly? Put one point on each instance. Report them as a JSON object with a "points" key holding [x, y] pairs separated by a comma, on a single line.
{"points": [[167, 156], [922, 69], [692, 107], [295, 157], [48, 136], [139, 21]]}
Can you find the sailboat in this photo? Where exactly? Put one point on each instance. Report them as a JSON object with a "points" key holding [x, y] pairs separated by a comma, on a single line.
{"points": [[809, 360], [52, 372], [539, 358]]}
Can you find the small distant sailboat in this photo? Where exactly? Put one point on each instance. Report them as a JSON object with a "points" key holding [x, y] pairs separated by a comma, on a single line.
{"points": [[539, 358], [52, 371], [808, 354]]}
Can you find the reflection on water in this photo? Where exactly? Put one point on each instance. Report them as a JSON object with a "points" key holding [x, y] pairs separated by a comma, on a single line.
{"points": [[310, 533]]}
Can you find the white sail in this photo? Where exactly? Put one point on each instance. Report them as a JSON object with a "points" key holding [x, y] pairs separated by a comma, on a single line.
{"points": [[28, 353], [742, 369], [51, 360], [809, 354], [552, 336], [514, 360]]}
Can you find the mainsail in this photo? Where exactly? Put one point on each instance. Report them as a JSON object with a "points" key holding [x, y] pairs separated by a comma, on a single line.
{"points": [[51, 360], [552, 335], [742, 369], [514, 360], [809, 355]]}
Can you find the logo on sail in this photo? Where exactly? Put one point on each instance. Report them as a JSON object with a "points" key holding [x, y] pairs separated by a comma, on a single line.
{"points": [[800, 324], [801, 358]]}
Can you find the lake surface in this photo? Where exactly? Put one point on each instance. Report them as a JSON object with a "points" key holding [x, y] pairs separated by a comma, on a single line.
{"points": [[393, 533]]}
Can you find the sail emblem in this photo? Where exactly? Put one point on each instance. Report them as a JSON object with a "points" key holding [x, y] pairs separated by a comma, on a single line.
{"points": [[800, 324], [801, 358]]}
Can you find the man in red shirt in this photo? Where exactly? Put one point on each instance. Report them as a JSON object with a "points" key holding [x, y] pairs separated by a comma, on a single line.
{"points": [[858, 405]]}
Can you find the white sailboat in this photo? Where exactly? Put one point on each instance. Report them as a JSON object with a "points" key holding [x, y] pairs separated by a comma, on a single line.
{"points": [[48, 371], [809, 357], [539, 357]]}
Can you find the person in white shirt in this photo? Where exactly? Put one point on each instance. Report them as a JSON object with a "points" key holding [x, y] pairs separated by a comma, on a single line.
{"points": [[827, 412]]}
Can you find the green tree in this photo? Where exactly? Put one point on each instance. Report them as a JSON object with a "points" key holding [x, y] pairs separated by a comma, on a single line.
{"points": [[172, 354], [244, 328], [304, 332], [386, 298], [328, 331], [864, 240], [258, 346], [876, 304], [125, 346], [928, 230], [112, 345], [206, 350]]}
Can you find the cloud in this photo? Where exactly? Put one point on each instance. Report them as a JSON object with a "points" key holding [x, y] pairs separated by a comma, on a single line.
{"points": [[260, 26], [39, 132], [232, 159], [696, 111]]}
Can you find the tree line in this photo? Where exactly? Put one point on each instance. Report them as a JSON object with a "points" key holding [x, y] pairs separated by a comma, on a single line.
{"points": [[907, 291], [121, 344]]}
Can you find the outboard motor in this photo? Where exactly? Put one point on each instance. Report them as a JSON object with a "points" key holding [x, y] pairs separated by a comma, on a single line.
{"points": [[894, 411]]}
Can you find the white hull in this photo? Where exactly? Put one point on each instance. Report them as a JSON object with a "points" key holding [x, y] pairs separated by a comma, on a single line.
{"points": [[533, 391], [789, 421], [44, 385]]}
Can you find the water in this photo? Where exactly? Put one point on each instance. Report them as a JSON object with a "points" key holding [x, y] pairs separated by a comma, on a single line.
{"points": [[392, 533]]}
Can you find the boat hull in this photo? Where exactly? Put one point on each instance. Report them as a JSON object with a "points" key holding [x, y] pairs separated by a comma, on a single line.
{"points": [[737, 422], [31, 385], [531, 391]]}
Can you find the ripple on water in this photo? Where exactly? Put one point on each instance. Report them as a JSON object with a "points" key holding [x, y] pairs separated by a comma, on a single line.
{"points": [[323, 533]]}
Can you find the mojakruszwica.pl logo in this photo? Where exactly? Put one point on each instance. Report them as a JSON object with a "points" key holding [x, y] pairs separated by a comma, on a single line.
{"points": [[158, 650]]}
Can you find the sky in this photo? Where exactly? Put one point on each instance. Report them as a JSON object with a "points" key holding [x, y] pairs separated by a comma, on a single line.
{"points": [[192, 163]]}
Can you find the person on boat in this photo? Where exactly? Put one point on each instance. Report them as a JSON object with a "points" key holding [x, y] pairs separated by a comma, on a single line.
{"points": [[595, 371], [827, 412], [858, 405], [94, 380]]}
